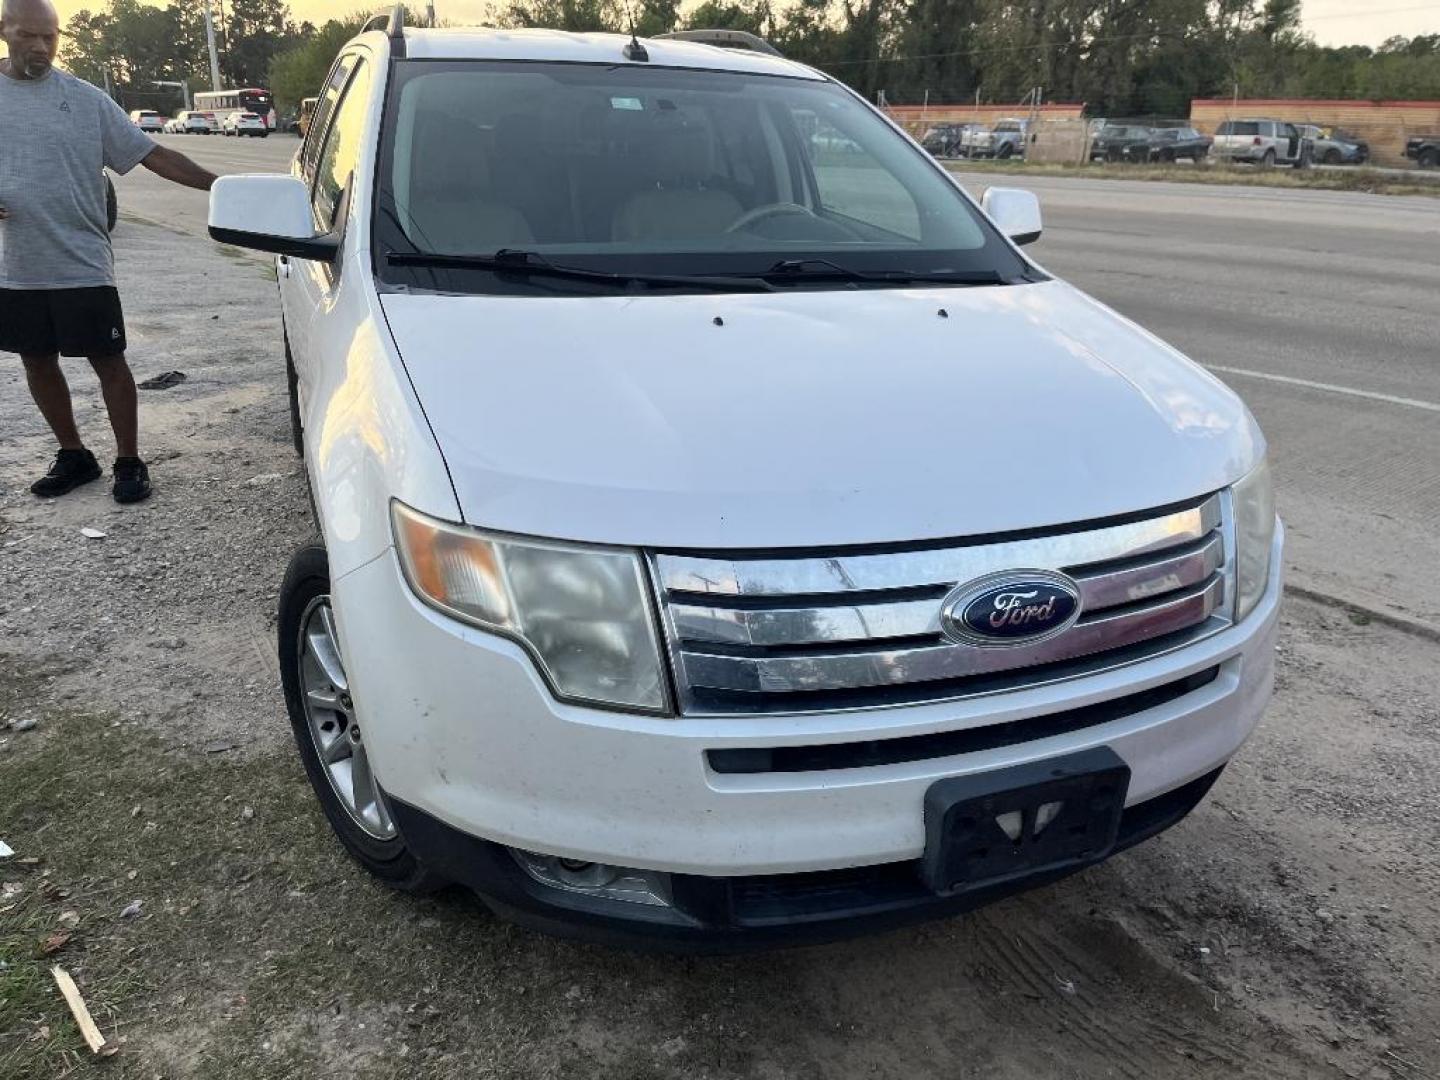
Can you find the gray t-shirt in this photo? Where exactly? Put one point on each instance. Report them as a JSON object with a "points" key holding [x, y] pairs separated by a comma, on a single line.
{"points": [[55, 134]]}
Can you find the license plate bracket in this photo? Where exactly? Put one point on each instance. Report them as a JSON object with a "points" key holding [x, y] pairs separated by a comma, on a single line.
{"points": [[1030, 819]]}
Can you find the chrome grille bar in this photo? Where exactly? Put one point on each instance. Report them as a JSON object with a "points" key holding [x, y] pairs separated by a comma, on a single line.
{"points": [[746, 633], [926, 663], [887, 620], [932, 566]]}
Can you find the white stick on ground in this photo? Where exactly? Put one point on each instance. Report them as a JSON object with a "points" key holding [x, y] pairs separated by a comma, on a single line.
{"points": [[93, 1038]]}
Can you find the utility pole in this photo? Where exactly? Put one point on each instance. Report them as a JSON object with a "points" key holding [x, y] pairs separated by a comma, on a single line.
{"points": [[430, 14], [210, 43]]}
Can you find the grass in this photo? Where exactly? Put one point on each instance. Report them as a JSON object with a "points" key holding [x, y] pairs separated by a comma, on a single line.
{"points": [[1371, 181], [261, 951]]}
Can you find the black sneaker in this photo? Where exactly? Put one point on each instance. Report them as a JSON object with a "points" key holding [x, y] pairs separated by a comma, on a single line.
{"points": [[132, 480], [71, 469]]}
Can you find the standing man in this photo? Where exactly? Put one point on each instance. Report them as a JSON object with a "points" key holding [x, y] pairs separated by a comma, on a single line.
{"points": [[57, 276]]}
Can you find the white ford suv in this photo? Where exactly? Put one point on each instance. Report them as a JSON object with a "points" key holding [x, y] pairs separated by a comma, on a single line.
{"points": [[729, 536]]}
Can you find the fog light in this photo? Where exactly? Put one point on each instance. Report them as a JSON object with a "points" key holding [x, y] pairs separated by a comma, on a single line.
{"points": [[597, 879]]}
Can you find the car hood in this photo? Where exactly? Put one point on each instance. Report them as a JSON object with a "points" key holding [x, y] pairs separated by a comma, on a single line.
{"points": [[821, 417]]}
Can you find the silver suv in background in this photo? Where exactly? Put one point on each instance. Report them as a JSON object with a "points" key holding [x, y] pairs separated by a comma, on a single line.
{"points": [[1266, 143], [1005, 140]]}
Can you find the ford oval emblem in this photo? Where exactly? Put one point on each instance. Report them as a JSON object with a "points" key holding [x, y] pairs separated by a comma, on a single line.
{"points": [[1017, 607]]}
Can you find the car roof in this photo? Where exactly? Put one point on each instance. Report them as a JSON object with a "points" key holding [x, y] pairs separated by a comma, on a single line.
{"points": [[479, 43]]}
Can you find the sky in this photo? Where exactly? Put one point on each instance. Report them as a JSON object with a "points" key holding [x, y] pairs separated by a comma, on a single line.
{"points": [[1333, 22]]}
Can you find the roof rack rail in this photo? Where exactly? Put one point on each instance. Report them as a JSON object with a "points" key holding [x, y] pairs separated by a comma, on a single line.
{"points": [[725, 39], [392, 21]]}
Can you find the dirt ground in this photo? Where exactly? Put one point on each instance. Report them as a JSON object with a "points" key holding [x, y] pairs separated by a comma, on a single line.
{"points": [[1288, 928]]}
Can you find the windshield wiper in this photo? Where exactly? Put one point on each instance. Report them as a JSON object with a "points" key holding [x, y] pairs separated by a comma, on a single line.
{"points": [[515, 261], [825, 270]]}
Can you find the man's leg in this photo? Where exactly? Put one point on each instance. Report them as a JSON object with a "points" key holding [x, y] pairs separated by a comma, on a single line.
{"points": [[52, 394], [132, 478], [118, 387]]}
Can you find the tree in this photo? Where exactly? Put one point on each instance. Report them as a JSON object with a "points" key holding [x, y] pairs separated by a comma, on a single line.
{"points": [[299, 71], [256, 31]]}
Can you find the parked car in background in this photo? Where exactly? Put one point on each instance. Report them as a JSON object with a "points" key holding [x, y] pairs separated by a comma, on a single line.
{"points": [[1122, 142], [1424, 150], [1261, 142], [1331, 146], [945, 140], [147, 120], [190, 122], [244, 123], [641, 657], [1117, 141], [1172, 144], [1005, 140]]}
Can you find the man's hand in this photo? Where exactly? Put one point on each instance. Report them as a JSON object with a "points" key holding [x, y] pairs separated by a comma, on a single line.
{"points": [[176, 167], [3, 212]]}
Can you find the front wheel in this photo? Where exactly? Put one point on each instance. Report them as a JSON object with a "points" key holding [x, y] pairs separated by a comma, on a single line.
{"points": [[1332, 157], [1268, 161], [1428, 158], [327, 730]]}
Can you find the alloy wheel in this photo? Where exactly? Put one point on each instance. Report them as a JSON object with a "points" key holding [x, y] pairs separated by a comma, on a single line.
{"points": [[330, 716]]}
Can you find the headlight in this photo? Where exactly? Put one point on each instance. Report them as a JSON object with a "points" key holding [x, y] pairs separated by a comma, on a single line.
{"points": [[582, 613], [1254, 505]]}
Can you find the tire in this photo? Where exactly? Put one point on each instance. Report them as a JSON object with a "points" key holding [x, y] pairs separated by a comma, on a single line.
{"points": [[1005, 151], [112, 205], [1332, 157], [304, 600], [292, 381], [1428, 158], [1167, 157], [1268, 160]]}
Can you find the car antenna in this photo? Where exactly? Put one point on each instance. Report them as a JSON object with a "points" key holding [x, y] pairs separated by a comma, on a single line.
{"points": [[634, 51]]}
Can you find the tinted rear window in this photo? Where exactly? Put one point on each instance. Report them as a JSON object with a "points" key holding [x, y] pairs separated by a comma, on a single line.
{"points": [[1239, 127]]}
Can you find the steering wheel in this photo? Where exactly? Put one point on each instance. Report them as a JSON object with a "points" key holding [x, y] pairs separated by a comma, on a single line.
{"points": [[769, 210]]}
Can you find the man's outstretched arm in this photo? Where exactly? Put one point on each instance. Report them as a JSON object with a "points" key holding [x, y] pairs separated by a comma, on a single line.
{"points": [[175, 166]]}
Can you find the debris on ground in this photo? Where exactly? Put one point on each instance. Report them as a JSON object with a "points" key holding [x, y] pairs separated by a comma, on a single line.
{"points": [[92, 533], [69, 919], [55, 942], [163, 381], [5, 850], [83, 1020], [26, 724], [130, 910]]}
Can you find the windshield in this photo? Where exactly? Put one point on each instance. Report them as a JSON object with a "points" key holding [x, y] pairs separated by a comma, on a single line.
{"points": [[630, 169], [1239, 127]]}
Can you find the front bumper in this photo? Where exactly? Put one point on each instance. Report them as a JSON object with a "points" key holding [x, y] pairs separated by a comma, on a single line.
{"points": [[478, 756]]}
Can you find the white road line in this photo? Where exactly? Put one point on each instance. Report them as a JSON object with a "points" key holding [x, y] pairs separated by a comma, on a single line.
{"points": [[1310, 384]]}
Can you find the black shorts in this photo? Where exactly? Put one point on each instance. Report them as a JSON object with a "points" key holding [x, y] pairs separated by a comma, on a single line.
{"points": [[71, 322]]}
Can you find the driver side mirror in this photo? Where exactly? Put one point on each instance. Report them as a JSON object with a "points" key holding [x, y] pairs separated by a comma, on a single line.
{"points": [[268, 213], [1015, 212]]}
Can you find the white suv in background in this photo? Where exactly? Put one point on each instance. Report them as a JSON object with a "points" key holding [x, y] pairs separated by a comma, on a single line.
{"points": [[728, 536], [1266, 143], [147, 120], [244, 123]]}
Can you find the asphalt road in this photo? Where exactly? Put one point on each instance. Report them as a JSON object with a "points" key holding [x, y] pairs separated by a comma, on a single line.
{"points": [[1320, 308]]}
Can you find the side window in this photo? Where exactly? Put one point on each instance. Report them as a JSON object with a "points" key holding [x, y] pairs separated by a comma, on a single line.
{"points": [[341, 149], [852, 183], [328, 96]]}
